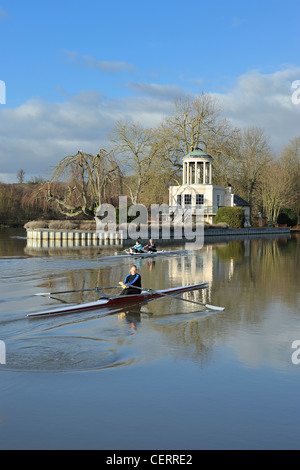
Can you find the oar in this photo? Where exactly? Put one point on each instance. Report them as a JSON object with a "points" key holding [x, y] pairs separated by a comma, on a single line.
{"points": [[210, 307], [79, 290]]}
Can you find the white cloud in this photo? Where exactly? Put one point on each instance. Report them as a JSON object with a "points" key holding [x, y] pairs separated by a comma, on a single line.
{"points": [[265, 100], [106, 66], [167, 92], [8, 178], [37, 134]]}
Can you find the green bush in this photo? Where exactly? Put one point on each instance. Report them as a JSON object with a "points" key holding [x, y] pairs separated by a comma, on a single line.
{"points": [[233, 216], [287, 216]]}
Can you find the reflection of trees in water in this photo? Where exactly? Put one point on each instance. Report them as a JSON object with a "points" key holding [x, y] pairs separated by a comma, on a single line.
{"points": [[272, 268], [263, 271], [193, 339], [265, 274], [278, 268], [246, 277], [11, 243], [232, 250]]}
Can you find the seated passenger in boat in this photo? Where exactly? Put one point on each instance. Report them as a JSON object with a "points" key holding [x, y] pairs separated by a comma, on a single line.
{"points": [[132, 282], [137, 248], [150, 246]]}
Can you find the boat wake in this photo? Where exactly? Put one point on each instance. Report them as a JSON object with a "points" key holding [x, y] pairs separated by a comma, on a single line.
{"points": [[44, 354]]}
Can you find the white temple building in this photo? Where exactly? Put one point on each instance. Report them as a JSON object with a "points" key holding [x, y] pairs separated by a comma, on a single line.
{"points": [[198, 192]]}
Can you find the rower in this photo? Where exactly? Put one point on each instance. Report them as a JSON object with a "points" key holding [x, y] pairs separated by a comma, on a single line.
{"points": [[132, 283], [137, 248], [150, 246]]}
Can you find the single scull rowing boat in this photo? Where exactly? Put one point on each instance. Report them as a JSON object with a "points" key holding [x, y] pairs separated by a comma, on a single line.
{"points": [[119, 300]]}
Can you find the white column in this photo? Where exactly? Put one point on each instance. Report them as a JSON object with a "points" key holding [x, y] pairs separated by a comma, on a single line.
{"points": [[210, 173], [204, 171], [184, 174], [187, 173], [196, 169]]}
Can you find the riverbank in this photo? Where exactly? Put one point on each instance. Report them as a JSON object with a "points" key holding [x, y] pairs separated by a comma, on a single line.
{"points": [[76, 238]]}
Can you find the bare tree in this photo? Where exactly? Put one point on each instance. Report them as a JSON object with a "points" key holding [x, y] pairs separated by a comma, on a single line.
{"points": [[134, 147], [272, 190], [20, 176], [195, 124], [249, 158], [80, 182], [290, 161]]}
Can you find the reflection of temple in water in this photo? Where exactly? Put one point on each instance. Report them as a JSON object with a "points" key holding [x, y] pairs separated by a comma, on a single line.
{"points": [[200, 266]]}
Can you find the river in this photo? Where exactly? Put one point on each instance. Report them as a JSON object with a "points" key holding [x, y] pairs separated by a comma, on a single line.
{"points": [[167, 375]]}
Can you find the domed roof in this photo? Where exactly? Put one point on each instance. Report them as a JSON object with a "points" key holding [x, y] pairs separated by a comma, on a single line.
{"points": [[197, 154]]}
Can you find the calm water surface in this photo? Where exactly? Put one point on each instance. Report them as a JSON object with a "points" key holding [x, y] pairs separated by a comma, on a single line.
{"points": [[168, 375]]}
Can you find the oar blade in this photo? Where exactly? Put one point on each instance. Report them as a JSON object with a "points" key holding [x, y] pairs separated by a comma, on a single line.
{"points": [[213, 307]]}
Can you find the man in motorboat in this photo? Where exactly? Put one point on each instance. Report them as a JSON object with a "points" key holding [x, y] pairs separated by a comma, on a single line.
{"points": [[132, 283]]}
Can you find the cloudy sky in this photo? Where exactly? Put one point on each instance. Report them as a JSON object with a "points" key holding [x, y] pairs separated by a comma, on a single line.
{"points": [[70, 68]]}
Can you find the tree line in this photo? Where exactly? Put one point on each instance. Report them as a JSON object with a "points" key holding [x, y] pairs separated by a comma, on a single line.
{"points": [[142, 162]]}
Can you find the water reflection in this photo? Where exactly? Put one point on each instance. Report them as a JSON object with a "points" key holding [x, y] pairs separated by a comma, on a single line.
{"points": [[132, 317], [12, 242], [210, 379], [258, 283], [256, 280]]}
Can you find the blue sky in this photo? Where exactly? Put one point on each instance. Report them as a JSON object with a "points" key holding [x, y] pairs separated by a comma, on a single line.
{"points": [[72, 68]]}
